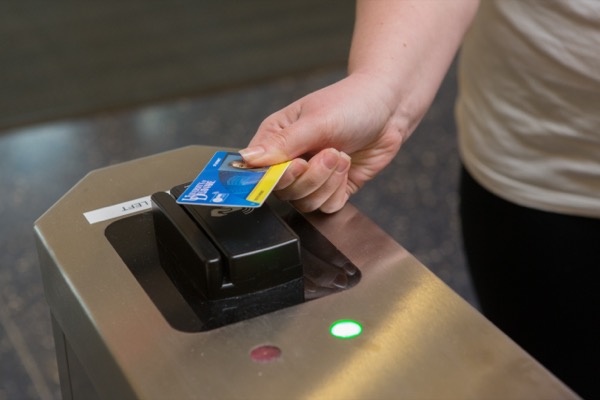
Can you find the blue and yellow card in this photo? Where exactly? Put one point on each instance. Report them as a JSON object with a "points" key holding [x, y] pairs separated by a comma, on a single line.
{"points": [[228, 181]]}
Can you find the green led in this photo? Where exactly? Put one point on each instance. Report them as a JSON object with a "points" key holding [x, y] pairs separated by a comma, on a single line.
{"points": [[345, 329]]}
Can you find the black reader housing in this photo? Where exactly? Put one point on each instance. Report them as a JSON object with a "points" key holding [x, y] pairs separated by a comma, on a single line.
{"points": [[226, 252]]}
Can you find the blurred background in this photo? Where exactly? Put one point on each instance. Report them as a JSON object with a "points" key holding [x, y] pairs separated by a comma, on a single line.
{"points": [[87, 85]]}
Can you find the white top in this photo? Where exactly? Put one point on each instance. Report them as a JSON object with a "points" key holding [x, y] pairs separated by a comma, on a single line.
{"points": [[528, 110]]}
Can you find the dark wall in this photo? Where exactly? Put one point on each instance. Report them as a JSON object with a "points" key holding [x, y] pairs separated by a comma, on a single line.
{"points": [[62, 59]]}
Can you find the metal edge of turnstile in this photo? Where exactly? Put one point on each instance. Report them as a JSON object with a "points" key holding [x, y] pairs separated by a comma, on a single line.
{"points": [[420, 339]]}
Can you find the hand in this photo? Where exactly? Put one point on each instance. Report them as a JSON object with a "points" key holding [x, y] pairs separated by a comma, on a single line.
{"points": [[343, 135], [338, 138]]}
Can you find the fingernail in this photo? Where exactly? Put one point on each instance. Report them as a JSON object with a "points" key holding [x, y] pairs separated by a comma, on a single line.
{"points": [[252, 153], [331, 159], [344, 162]]}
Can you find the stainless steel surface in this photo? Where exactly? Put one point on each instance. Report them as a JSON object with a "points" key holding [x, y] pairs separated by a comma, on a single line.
{"points": [[420, 339]]}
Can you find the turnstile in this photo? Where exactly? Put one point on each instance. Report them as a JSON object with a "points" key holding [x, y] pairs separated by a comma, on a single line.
{"points": [[132, 322]]}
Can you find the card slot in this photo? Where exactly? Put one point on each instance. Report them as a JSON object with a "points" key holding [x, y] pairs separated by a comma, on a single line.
{"points": [[191, 258]]}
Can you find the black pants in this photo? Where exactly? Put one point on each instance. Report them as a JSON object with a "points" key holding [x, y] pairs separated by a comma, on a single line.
{"points": [[536, 276]]}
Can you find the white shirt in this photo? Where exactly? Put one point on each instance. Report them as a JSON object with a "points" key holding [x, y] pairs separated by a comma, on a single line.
{"points": [[528, 111]]}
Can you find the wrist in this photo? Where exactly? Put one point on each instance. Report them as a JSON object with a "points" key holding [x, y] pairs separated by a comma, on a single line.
{"points": [[403, 113]]}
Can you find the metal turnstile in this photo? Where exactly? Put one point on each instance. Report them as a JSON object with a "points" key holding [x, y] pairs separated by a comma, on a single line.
{"points": [[133, 319]]}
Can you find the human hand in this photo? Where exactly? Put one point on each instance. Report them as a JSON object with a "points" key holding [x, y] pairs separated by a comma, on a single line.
{"points": [[338, 137]]}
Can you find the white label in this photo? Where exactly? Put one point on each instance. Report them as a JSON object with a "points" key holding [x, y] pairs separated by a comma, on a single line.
{"points": [[118, 210]]}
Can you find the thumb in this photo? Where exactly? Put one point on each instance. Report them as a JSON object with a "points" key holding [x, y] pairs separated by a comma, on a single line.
{"points": [[281, 137]]}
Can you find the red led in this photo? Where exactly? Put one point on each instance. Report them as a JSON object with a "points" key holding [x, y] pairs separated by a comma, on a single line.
{"points": [[265, 353]]}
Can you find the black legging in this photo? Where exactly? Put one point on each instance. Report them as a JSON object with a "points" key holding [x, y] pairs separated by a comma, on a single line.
{"points": [[536, 276]]}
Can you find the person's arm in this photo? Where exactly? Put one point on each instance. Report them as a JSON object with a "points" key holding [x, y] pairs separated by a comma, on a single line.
{"points": [[401, 50], [407, 46]]}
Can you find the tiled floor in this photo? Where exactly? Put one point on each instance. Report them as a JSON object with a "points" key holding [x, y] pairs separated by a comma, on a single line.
{"points": [[414, 200]]}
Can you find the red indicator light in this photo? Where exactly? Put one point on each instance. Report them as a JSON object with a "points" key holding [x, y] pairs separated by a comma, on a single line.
{"points": [[265, 353]]}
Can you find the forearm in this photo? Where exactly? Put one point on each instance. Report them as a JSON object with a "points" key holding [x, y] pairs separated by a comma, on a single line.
{"points": [[407, 46]]}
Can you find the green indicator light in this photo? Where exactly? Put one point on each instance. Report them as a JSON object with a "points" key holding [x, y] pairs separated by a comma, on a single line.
{"points": [[345, 329]]}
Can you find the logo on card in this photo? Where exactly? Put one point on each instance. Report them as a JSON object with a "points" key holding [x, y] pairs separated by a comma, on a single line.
{"points": [[219, 197]]}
